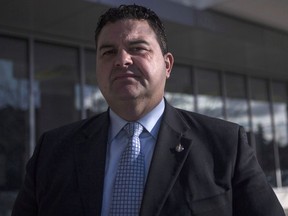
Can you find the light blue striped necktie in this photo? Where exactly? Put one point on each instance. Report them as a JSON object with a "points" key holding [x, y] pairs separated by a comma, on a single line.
{"points": [[129, 181]]}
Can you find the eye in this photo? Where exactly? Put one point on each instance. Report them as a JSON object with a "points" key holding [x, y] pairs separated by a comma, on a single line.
{"points": [[108, 52], [137, 49]]}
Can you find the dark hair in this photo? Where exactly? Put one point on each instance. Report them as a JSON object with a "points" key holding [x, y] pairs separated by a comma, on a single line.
{"points": [[134, 12]]}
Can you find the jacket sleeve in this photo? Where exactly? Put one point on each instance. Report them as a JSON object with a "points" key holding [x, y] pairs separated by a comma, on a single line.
{"points": [[252, 194], [26, 202]]}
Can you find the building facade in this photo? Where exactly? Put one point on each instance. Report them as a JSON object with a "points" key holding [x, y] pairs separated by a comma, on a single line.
{"points": [[224, 67]]}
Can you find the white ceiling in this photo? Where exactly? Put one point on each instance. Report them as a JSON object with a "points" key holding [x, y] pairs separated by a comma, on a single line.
{"points": [[76, 18], [272, 13]]}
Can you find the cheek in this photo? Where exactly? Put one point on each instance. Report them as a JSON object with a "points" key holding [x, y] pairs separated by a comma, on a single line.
{"points": [[101, 79], [102, 71], [157, 78]]}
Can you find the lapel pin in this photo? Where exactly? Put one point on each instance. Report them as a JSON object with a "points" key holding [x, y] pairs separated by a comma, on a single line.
{"points": [[179, 148]]}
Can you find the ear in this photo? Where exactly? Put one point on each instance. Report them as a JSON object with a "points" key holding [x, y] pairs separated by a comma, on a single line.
{"points": [[169, 61]]}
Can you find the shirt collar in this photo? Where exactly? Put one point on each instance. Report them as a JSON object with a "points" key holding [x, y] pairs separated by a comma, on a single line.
{"points": [[148, 121]]}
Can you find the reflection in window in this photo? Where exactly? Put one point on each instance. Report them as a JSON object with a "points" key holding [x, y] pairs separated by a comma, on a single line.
{"points": [[94, 101], [14, 123], [262, 127], [209, 98], [56, 71], [279, 95], [236, 101], [179, 88]]}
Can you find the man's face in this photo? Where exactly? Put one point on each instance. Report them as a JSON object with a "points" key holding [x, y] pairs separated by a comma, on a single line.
{"points": [[130, 64]]}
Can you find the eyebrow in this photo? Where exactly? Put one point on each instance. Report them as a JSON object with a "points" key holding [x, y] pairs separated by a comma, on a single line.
{"points": [[133, 42], [106, 46]]}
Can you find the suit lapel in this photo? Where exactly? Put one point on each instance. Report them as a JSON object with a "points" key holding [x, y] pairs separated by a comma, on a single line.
{"points": [[90, 152], [167, 162]]}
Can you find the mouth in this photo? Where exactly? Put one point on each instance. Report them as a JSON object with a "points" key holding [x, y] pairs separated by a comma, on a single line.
{"points": [[125, 76]]}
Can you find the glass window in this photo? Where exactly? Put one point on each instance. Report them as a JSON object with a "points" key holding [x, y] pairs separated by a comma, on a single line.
{"points": [[57, 81], [262, 127], [94, 101], [14, 124], [279, 95], [179, 88], [236, 100], [209, 97]]}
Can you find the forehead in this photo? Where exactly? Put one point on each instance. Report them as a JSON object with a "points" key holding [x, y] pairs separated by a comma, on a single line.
{"points": [[126, 29]]}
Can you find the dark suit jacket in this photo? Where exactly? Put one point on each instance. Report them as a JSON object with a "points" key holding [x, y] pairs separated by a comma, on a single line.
{"points": [[216, 174]]}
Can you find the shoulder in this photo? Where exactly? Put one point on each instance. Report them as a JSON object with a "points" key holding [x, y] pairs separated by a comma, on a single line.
{"points": [[79, 127], [213, 132], [205, 122], [198, 124], [59, 142]]}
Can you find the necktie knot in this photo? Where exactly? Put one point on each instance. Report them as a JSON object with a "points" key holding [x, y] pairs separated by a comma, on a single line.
{"points": [[133, 129]]}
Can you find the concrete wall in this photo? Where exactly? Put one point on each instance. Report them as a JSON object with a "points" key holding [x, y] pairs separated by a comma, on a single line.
{"points": [[226, 43]]}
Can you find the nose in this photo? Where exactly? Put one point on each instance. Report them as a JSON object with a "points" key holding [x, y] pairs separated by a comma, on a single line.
{"points": [[123, 59]]}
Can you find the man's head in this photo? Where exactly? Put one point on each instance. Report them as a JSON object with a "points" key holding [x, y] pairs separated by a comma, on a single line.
{"points": [[132, 65], [138, 13]]}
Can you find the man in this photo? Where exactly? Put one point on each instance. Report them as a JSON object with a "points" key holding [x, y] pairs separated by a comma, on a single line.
{"points": [[194, 165]]}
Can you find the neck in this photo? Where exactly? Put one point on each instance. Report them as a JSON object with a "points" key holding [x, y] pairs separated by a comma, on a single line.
{"points": [[133, 110]]}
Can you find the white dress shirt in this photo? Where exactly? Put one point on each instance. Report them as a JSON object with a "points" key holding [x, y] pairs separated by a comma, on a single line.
{"points": [[117, 140]]}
